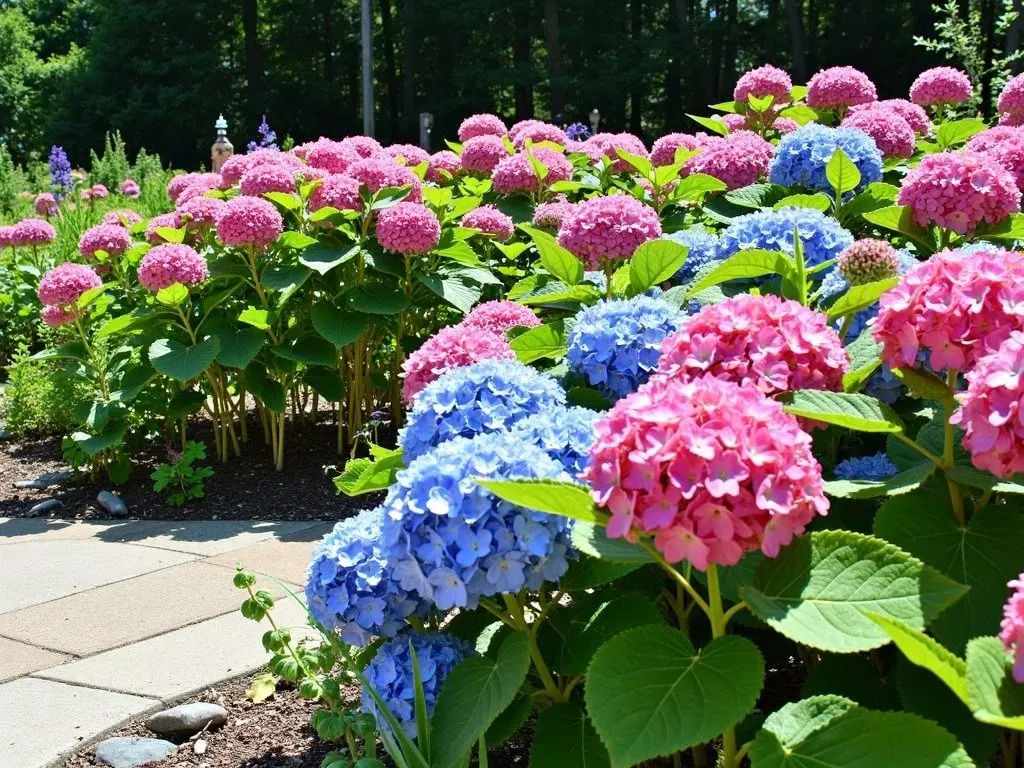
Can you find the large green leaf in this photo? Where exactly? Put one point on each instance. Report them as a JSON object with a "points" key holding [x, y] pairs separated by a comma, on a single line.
{"points": [[925, 652], [591, 539], [655, 262], [339, 327], [850, 410], [554, 258], [238, 343], [586, 572], [996, 697], [898, 218], [820, 589], [324, 258], [546, 340], [93, 444], [551, 496], [957, 132], [311, 350], [565, 738], [174, 360], [650, 694], [841, 173], [860, 297], [458, 291], [368, 475], [903, 482], [745, 265], [376, 298]]}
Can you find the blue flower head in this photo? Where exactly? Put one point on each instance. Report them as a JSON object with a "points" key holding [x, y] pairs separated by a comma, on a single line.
{"points": [[577, 132], [615, 345], [565, 434], [349, 587], [488, 396], [802, 155], [60, 172], [821, 236], [702, 245], [453, 541], [390, 673], [877, 467]]}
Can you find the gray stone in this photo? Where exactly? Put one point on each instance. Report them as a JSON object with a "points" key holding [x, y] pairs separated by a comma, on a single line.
{"points": [[187, 719], [4, 434], [47, 505], [112, 503], [132, 751], [45, 480]]}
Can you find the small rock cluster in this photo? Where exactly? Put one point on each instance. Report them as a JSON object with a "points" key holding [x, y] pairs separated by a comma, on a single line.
{"points": [[183, 721]]}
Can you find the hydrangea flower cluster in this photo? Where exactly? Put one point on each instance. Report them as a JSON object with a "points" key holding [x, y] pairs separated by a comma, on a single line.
{"points": [[959, 191], [337, 191], [331, 156], [364, 146], [802, 156], [349, 584], [380, 171], [609, 143], [483, 153], [55, 316], [63, 285], [764, 81], [390, 672], [46, 204], [608, 229], [200, 213], [891, 133], [130, 188], [702, 251], [490, 221], [33, 232], [98, 191], [914, 115], [177, 185], [1011, 101], [449, 348], [408, 154], [960, 305], [445, 160], [199, 187], [1011, 629], [941, 86], [489, 396], [740, 160], [565, 434], [615, 345], [515, 173], [868, 260], [538, 133], [111, 238], [874, 467], [821, 236], [481, 125], [249, 221], [551, 215], [453, 541], [840, 87], [710, 468], [124, 217], [168, 220], [664, 150], [267, 178], [500, 316], [165, 265], [236, 165], [6, 237], [771, 344], [1005, 145], [408, 228]]}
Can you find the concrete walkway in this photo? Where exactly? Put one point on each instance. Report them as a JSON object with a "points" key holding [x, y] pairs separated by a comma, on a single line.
{"points": [[103, 621]]}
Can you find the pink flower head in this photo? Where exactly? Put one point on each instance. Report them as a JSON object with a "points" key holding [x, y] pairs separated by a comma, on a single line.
{"points": [[168, 264], [408, 228], [449, 348], [551, 215], [331, 156], [481, 125], [364, 146], [249, 221], [63, 285], [784, 124], [408, 154], [129, 188], [1012, 119], [941, 85], [483, 153], [959, 190], [337, 191], [445, 160], [890, 132], [608, 228], [98, 192], [55, 316], [380, 171], [764, 81], [738, 161], [164, 221], [608, 143], [867, 261], [711, 470], [178, 184], [198, 187], [490, 221], [307, 174], [664, 150], [540, 132], [6, 237], [1005, 145], [914, 115], [1011, 100], [499, 317], [86, 194], [516, 173], [34, 232], [123, 217], [112, 238], [200, 213], [1012, 627], [840, 87], [522, 125], [771, 344], [46, 204], [236, 165], [733, 121], [267, 178], [960, 306]]}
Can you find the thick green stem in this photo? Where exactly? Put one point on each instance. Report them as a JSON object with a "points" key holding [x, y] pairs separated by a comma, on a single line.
{"points": [[515, 610], [680, 579], [718, 629]]}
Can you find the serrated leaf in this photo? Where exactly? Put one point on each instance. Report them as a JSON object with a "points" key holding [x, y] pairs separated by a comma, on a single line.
{"points": [[458, 291], [850, 410], [176, 361], [996, 698], [865, 356], [554, 497], [696, 187], [817, 201], [565, 738], [587, 572], [654, 262], [956, 132], [257, 318], [591, 539], [375, 298], [311, 350], [172, 295], [554, 258], [842, 175], [926, 652], [860, 297], [323, 258], [543, 341], [337, 326], [1010, 228], [898, 218], [715, 126], [369, 475], [261, 688], [238, 344], [744, 266]]}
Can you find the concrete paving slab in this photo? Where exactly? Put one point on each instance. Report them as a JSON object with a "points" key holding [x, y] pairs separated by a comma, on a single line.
{"points": [[39, 571], [286, 558], [19, 530], [17, 659], [183, 661], [205, 537], [41, 719]]}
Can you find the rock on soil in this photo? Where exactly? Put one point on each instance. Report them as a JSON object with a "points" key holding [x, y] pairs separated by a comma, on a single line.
{"points": [[187, 719], [47, 505], [131, 751], [111, 502]]}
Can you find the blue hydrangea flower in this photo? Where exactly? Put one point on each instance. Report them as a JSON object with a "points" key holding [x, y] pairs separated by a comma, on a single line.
{"points": [[453, 542], [615, 345], [565, 434], [877, 467], [390, 673], [577, 132], [349, 587], [802, 155], [821, 236], [488, 396], [702, 245]]}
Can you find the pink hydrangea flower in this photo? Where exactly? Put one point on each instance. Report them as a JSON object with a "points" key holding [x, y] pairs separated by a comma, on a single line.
{"points": [[267, 178], [65, 283], [483, 153], [112, 238], [123, 217], [490, 221], [522, 125], [733, 121], [481, 125], [236, 165], [55, 316], [249, 221], [1011, 100], [959, 190], [914, 115], [380, 171], [709, 469], [609, 143], [162, 221], [445, 160], [664, 150], [867, 261], [6, 237], [46, 204], [450, 348], [307, 174], [941, 85], [515, 173], [200, 213], [960, 306], [1012, 119], [129, 188], [840, 87], [738, 161], [337, 191], [34, 232], [890, 132], [179, 183], [198, 187], [408, 154], [365, 146], [784, 124], [331, 156], [771, 344], [98, 191], [500, 316], [550, 215], [608, 228], [540, 132], [1005, 145], [408, 228], [1011, 629], [172, 263], [764, 81]]}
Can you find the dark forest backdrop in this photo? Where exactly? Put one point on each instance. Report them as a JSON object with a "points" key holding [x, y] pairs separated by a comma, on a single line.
{"points": [[161, 70]]}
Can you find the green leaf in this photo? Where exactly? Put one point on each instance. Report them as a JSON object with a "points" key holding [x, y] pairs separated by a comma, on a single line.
{"points": [[649, 694], [898, 484], [296, 240], [94, 444], [1010, 228], [456, 290], [339, 327], [898, 218], [171, 234], [369, 475], [473, 695], [323, 258], [565, 738], [554, 258], [543, 341], [185, 402], [924, 384], [745, 265], [820, 588], [850, 410], [510, 721], [715, 126], [551, 496], [696, 186], [640, 163], [257, 318], [261, 688], [817, 201], [655, 262], [325, 382], [288, 201], [843, 176], [238, 345], [286, 280], [174, 360], [860, 297], [975, 478], [927, 653], [591, 539], [865, 356], [833, 732], [956, 132], [587, 572], [172, 295], [996, 698], [122, 323], [375, 298], [73, 350], [311, 350]]}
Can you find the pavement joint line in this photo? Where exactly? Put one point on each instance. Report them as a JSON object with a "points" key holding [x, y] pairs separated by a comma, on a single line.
{"points": [[166, 548], [106, 689], [34, 644]]}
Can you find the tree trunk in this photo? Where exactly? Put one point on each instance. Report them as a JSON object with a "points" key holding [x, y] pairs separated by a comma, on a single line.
{"points": [[556, 64], [673, 96], [731, 44], [390, 73], [693, 56], [328, 47], [796, 40], [407, 19], [1014, 34], [253, 63], [636, 93], [521, 58]]}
